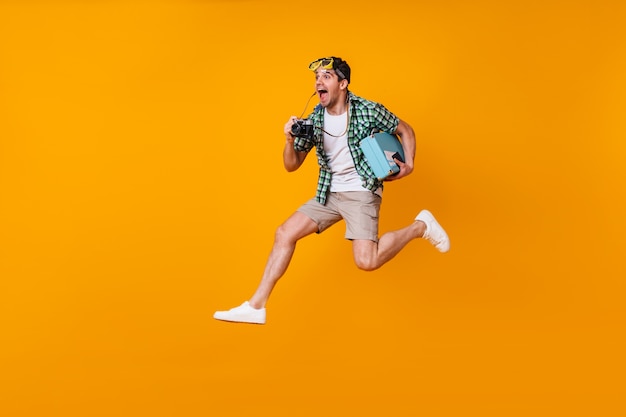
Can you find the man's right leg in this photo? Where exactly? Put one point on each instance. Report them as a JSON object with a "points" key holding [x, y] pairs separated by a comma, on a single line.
{"points": [[297, 226]]}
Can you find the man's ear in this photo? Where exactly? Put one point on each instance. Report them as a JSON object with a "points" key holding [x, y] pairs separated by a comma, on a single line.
{"points": [[343, 84]]}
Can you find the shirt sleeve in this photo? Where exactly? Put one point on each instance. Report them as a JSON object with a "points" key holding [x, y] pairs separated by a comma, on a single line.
{"points": [[303, 144], [385, 120]]}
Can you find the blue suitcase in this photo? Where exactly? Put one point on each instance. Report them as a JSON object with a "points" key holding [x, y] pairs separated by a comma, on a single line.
{"points": [[380, 149]]}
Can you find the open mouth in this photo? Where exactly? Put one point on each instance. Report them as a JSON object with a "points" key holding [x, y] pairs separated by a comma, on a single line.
{"points": [[322, 93]]}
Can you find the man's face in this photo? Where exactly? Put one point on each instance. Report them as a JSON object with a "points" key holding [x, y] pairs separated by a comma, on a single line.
{"points": [[328, 86]]}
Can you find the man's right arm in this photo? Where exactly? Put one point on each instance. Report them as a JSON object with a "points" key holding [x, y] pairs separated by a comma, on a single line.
{"points": [[292, 159]]}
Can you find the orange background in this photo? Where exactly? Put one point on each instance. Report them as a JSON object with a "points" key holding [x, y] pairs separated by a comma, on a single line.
{"points": [[141, 182]]}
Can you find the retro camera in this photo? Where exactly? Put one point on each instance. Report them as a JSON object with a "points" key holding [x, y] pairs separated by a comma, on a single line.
{"points": [[302, 128]]}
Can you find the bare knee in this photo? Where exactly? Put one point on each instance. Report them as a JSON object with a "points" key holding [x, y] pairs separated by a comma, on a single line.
{"points": [[365, 254], [289, 233], [293, 229], [366, 263], [284, 235]]}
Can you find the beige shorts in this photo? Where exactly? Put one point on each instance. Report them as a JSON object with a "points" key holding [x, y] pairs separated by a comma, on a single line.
{"points": [[358, 208]]}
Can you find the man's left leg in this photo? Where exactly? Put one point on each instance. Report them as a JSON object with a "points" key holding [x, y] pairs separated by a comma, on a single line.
{"points": [[370, 255]]}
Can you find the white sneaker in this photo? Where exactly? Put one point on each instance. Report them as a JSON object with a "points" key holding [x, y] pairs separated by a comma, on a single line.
{"points": [[434, 232], [245, 313]]}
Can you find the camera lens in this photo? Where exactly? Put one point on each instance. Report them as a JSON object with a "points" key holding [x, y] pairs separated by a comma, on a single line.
{"points": [[296, 128]]}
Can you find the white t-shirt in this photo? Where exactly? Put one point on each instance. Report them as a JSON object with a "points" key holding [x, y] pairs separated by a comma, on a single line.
{"points": [[344, 175]]}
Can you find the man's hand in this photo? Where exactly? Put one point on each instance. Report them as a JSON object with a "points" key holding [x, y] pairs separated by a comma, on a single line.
{"points": [[405, 170], [292, 159], [288, 136]]}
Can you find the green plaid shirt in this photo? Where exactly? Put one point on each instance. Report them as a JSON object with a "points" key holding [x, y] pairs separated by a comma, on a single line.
{"points": [[365, 116]]}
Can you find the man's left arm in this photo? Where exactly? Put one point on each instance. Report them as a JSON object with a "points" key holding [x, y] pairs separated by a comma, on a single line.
{"points": [[407, 137]]}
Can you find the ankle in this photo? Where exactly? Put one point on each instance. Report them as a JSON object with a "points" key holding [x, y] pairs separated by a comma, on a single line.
{"points": [[420, 228]]}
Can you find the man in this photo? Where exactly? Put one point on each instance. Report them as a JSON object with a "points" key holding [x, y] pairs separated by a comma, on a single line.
{"points": [[347, 187]]}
